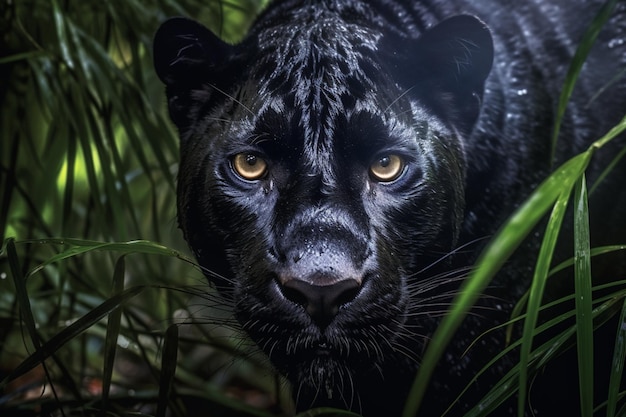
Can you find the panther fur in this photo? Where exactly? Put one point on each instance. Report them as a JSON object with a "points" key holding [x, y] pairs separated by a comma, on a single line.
{"points": [[342, 167]]}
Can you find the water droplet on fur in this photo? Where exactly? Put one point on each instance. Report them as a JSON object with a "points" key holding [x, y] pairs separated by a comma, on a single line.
{"points": [[616, 42], [522, 92], [511, 117]]}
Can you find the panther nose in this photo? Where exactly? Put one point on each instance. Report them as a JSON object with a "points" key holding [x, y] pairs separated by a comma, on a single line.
{"points": [[321, 302]]}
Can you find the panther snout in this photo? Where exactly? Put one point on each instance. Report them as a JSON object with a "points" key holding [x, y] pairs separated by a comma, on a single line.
{"points": [[320, 264], [321, 302]]}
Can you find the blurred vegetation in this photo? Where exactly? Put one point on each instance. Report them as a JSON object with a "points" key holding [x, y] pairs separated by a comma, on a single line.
{"points": [[87, 153], [94, 275]]}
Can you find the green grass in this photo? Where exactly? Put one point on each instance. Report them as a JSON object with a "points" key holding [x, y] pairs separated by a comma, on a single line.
{"points": [[96, 322]]}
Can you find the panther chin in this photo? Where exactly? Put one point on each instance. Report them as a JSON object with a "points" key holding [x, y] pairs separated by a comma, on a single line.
{"points": [[324, 381], [324, 376]]}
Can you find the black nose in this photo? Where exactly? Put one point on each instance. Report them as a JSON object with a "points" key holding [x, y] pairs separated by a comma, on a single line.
{"points": [[321, 302]]}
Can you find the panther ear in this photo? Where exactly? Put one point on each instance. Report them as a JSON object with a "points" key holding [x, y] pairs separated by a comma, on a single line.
{"points": [[186, 51], [449, 65]]}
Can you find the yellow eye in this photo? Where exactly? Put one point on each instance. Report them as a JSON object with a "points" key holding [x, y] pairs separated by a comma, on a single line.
{"points": [[387, 168], [249, 166]]}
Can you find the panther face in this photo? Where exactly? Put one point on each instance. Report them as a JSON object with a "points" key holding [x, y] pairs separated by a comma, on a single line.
{"points": [[321, 184]]}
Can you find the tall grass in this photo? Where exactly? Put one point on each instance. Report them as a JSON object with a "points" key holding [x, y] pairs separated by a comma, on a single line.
{"points": [[94, 321]]}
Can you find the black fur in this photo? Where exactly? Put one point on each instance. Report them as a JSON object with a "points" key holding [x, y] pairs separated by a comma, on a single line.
{"points": [[339, 277]]}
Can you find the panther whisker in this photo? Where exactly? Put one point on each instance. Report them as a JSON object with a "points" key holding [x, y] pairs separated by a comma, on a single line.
{"points": [[454, 276], [212, 275], [355, 399], [435, 288], [216, 88], [213, 321], [222, 120], [398, 98], [457, 250], [406, 351]]}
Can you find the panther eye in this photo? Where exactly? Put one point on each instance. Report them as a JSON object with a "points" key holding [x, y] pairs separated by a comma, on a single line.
{"points": [[249, 166], [387, 168]]}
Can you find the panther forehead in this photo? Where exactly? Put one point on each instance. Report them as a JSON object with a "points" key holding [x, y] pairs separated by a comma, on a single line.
{"points": [[318, 47], [319, 75], [321, 58]]}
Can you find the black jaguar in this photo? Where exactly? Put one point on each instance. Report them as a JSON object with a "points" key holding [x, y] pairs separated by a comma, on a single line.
{"points": [[342, 167]]}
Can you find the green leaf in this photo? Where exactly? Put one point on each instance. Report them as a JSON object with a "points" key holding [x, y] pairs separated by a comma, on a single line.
{"points": [[112, 333], [584, 319], [597, 251], [491, 260], [168, 369], [617, 368], [49, 347], [537, 287], [81, 246], [542, 355], [580, 56], [21, 293]]}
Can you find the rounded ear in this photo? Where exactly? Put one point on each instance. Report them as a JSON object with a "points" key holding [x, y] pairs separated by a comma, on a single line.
{"points": [[184, 49], [459, 51], [447, 67]]}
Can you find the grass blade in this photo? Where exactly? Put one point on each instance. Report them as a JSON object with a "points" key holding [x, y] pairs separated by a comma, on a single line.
{"points": [[112, 333], [617, 368], [597, 251], [21, 293], [582, 277], [543, 354], [491, 260], [70, 332], [614, 132], [580, 56], [168, 369], [536, 292], [81, 246]]}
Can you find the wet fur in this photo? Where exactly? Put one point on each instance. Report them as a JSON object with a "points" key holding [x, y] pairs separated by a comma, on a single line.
{"points": [[321, 88]]}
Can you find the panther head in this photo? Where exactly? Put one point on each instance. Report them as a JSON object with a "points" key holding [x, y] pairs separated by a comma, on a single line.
{"points": [[321, 183]]}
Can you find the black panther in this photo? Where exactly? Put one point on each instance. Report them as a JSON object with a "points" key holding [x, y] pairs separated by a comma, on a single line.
{"points": [[344, 164]]}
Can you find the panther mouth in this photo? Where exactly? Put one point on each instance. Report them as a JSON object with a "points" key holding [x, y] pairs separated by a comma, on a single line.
{"points": [[322, 347], [324, 350], [324, 321]]}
